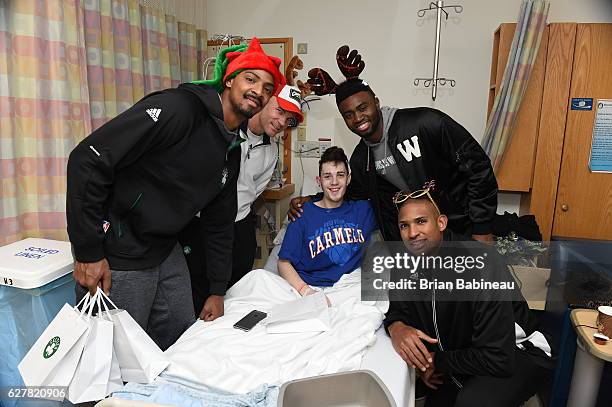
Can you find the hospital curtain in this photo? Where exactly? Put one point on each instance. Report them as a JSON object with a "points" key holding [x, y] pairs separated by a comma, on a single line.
{"points": [[523, 53], [67, 67], [44, 110], [133, 50]]}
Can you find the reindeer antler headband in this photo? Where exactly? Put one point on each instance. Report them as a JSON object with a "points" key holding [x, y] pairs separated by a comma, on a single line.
{"points": [[351, 65]]}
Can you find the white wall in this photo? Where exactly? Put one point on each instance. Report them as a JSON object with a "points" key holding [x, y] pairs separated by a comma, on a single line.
{"points": [[397, 46]]}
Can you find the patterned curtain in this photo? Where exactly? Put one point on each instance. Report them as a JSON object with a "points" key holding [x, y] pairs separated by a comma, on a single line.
{"points": [[201, 54], [67, 67], [523, 54], [133, 50], [44, 111]]}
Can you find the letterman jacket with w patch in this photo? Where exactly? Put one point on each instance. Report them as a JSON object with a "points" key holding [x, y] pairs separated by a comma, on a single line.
{"points": [[426, 145], [146, 173]]}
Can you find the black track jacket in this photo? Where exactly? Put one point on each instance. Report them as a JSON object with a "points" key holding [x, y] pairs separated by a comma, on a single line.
{"points": [[147, 172], [479, 337]]}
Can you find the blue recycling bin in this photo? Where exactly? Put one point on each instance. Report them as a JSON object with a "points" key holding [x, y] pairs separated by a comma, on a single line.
{"points": [[44, 266]]}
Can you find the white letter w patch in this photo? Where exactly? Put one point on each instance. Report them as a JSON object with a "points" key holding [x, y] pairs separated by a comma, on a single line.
{"points": [[408, 150]]}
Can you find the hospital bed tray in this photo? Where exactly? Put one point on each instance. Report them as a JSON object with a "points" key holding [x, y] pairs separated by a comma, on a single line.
{"points": [[359, 388]]}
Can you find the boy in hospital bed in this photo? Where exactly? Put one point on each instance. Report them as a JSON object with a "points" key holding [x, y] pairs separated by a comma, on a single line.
{"points": [[328, 240]]}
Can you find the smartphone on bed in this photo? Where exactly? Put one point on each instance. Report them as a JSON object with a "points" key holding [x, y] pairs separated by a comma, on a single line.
{"points": [[250, 320]]}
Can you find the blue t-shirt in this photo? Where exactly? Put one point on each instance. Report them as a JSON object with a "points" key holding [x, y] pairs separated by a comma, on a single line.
{"points": [[323, 244]]}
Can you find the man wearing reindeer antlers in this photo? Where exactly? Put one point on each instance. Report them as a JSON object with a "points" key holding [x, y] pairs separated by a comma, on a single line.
{"points": [[401, 149]]}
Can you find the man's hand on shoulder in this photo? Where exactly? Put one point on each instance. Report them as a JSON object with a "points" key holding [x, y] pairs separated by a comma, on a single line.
{"points": [[408, 343], [213, 308], [93, 275], [295, 207]]}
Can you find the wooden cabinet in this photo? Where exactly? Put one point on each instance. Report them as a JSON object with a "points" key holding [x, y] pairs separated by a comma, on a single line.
{"points": [[583, 206], [568, 200], [516, 170], [547, 159]]}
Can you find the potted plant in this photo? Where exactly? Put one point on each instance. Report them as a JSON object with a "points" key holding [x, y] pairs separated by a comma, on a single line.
{"points": [[524, 258]]}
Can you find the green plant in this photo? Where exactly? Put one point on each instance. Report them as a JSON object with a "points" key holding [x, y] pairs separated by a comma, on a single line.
{"points": [[519, 251]]}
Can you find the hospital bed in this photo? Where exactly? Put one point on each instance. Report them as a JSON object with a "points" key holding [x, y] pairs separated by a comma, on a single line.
{"points": [[379, 358]]}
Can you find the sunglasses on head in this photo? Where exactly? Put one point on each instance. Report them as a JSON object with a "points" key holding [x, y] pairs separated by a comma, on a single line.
{"points": [[403, 196]]}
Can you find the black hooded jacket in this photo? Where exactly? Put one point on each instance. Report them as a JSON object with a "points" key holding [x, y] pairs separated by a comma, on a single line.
{"points": [[429, 145], [146, 173], [480, 336]]}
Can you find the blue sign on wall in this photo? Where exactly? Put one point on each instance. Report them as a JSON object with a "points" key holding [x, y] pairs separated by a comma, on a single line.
{"points": [[582, 103]]}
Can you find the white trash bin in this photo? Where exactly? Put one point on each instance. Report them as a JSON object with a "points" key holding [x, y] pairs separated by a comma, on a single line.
{"points": [[35, 283]]}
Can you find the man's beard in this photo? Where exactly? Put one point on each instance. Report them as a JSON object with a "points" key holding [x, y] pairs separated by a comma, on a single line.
{"points": [[248, 111]]}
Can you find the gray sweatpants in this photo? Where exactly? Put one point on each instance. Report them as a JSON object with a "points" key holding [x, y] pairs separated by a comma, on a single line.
{"points": [[158, 298]]}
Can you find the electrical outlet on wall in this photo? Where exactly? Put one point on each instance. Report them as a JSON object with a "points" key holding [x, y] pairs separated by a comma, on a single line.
{"points": [[324, 145], [307, 149], [301, 133]]}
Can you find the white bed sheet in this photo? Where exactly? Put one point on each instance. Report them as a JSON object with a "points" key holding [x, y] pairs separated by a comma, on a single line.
{"points": [[216, 354], [382, 359]]}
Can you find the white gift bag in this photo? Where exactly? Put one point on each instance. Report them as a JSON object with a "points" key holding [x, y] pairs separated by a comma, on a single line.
{"points": [[53, 358], [140, 359], [91, 378], [115, 382]]}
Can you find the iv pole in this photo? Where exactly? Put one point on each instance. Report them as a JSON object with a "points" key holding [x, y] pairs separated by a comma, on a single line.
{"points": [[435, 81]]}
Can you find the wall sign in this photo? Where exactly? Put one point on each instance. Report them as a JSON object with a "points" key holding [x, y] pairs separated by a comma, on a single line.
{"points": [[601, 144], [582, 103]]}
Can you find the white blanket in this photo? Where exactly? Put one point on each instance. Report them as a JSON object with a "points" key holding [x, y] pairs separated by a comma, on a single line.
{"points": [[216, 354]]}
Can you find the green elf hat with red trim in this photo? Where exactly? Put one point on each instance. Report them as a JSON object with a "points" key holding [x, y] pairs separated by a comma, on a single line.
{"points": [[233, 60], [221, 63]]}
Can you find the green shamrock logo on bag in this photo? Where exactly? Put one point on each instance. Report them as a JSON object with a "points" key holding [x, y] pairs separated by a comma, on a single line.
{"points": [[52, 347]]}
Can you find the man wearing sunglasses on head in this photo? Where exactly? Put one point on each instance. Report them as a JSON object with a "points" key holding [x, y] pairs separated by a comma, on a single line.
{"points": [[258, 158], [400, 149], [469, 348]]}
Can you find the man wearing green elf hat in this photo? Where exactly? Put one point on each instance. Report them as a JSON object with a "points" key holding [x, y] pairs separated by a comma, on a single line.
{"points": [[135, 182]]}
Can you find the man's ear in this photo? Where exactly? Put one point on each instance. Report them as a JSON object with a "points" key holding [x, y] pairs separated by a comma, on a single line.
{"points": [[228, 83], [348, 179], [442, 222], [377, 103], [319, 182]]}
